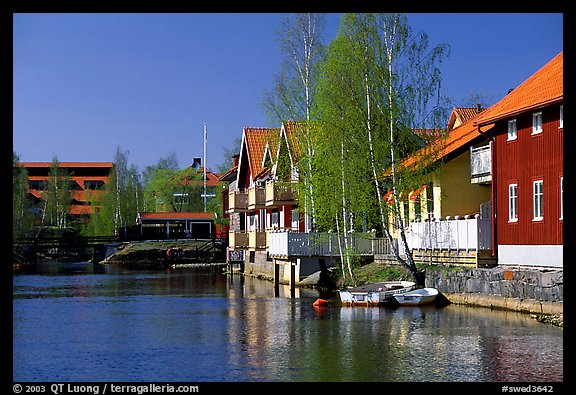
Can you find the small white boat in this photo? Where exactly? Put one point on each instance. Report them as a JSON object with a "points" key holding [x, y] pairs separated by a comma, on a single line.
{"points": [[374, 294], [417, 297]]}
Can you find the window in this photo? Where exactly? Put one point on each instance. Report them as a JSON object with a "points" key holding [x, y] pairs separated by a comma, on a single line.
{"points": [[90, 184], [561, 117], [537, 122], [181, 198], [562, 197], [40, 185], [417, 209], [538, 198], [513, 203], [512, 131], [429, 201]]}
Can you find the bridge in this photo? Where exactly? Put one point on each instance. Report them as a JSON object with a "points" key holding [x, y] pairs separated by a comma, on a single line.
{"points": [[29, 247]]}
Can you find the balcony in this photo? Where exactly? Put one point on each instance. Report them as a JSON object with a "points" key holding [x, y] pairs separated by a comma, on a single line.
{"points": [[296, 244], [481, 164], [238, 201], [257, 240], [256, 198], [280, 194], [238, 240]]}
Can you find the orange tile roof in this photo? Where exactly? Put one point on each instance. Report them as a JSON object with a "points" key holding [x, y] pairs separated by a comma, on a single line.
{"points": [[256, 140], [462, 114], [294, 131], [176, 215], [77, 209], [544, 87], [457, 138], [212, 179], [36, 193], [428, 135]]}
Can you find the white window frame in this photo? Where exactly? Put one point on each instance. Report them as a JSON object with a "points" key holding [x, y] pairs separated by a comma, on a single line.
{"points": [[513, 202], [537, 122], [561, 117], [562, 197], [512, 130], [538, 199], [181, 198]]}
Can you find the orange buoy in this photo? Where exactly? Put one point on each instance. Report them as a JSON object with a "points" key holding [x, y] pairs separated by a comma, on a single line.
{"points": [[320, 302]]}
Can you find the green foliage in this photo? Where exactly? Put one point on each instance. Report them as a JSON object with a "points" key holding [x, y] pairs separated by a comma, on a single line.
{"points": [[228, 155], [57, 196], [22, 216]]}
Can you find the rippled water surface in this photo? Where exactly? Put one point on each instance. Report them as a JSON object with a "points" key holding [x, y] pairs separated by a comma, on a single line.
{"points": [[199, 325]]}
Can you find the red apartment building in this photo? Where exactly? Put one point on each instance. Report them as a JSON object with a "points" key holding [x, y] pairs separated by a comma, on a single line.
{"points": [[86, 182]]}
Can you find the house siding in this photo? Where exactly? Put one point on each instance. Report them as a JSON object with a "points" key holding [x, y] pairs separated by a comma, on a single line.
{"points": [[522, 161]]}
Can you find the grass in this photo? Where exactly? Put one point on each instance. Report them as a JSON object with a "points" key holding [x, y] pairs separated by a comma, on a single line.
{"points": [[375, 272]]}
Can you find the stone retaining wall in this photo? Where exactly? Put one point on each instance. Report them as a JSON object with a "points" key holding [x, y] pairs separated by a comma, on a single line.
{"points": [[538, 291]]}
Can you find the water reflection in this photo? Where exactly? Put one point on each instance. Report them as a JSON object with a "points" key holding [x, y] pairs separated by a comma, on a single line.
{"points": [[202, 325]]}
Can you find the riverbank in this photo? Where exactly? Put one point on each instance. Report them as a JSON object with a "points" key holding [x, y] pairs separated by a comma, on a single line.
{"points": [[160, 254], [534, 291]]}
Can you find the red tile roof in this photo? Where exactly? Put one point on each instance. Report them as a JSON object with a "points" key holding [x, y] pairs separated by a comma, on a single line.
{"points": [[544, 87], [197, 177], [256, 140], [77, 209], [295, 134]]}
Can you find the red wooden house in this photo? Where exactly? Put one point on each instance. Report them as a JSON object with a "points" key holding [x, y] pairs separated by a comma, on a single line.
{"points": [[527, 169]]}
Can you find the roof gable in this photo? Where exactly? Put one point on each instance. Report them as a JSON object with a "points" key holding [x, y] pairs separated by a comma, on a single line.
{"points": [[253, 149], [460, 115]]}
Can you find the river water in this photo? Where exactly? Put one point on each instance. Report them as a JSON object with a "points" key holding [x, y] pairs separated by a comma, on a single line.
{"points": [[200, 325]]}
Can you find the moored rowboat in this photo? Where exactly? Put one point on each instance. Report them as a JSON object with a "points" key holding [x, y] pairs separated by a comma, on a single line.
{"points": [[374, 294], [417, 297]]}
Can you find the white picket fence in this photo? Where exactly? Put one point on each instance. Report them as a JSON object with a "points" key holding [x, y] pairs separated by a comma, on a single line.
{"points": [[453, 234], [459, 234]]}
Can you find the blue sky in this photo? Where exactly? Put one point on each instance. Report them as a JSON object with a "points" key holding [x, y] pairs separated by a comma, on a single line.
{"points": [[86, 83]]}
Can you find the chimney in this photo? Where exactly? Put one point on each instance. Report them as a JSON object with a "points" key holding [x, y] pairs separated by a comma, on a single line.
{"points": [[197, 163], [235, 159]]}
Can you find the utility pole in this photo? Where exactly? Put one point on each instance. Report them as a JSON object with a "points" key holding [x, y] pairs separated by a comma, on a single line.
{"points": [[205, 138]]}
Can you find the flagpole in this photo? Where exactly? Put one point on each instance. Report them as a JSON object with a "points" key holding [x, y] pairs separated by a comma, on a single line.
{"points": [[205, 138]]}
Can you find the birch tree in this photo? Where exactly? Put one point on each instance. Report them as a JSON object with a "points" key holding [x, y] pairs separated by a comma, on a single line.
{"points": [[377, 85], [295, 85], [343, 161], [410, 79], [57, 195], [22, 218]]}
